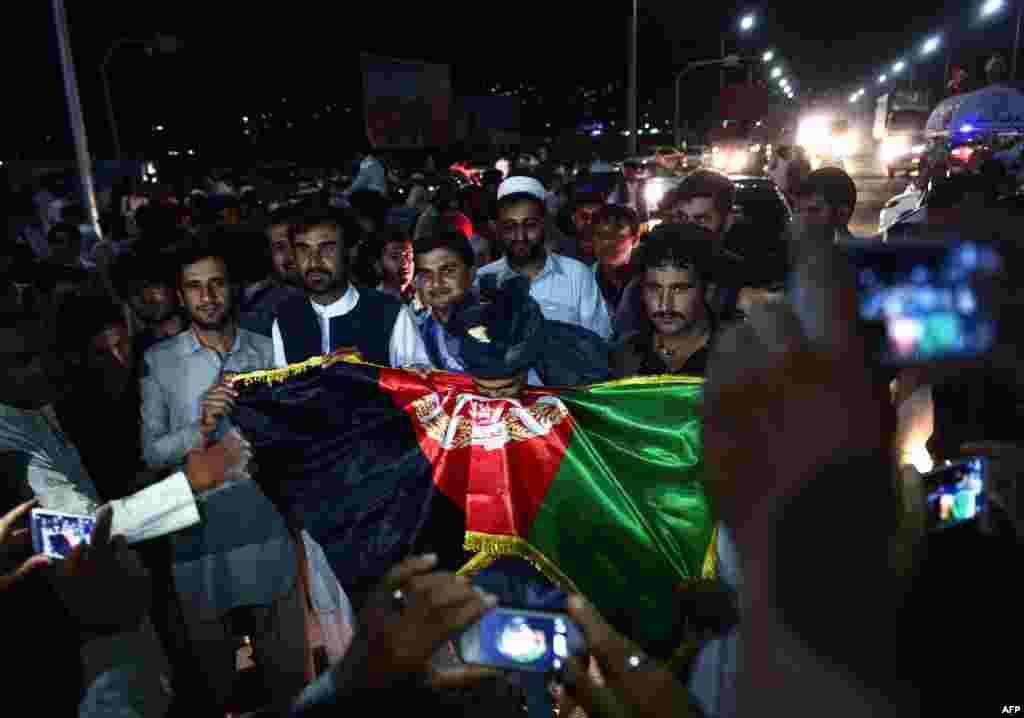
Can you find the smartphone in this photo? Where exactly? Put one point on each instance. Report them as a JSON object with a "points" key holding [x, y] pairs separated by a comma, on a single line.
{"points": [[955, 493], [922, 302], [521, 640], [56, 534]]}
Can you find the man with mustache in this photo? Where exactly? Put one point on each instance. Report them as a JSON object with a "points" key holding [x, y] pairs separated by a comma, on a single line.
{"points": [[675, 264], [334, 317], [565, 288], [261, 299], [393, 263]]}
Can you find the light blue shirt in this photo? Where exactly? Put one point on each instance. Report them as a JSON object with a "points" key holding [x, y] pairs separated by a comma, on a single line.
{"points": [[242, 553], [179, 371], [55, 471], [566, 291]]}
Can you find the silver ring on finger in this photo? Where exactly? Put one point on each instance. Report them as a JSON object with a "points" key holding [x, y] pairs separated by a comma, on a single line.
{"points": [[637, 662]]}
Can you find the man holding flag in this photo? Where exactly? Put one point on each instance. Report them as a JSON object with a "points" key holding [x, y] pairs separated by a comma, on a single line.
{"points": [[543, 486], [334, 316]]}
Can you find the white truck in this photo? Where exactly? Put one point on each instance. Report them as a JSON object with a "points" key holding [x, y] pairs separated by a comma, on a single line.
{"points": [[900, 119]]}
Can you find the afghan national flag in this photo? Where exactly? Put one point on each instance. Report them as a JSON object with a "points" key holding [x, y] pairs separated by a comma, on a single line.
{"points": [[600, 488]]}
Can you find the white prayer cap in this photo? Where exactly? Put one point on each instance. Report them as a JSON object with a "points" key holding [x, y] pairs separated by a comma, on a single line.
{"points": [[522, 185]]}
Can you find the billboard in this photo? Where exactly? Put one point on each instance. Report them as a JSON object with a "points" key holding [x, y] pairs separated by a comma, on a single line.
{"points": [[407, 102]]}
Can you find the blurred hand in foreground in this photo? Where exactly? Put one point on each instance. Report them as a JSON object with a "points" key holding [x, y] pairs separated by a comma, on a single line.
{"points": [[410, 616], [631, 685], [16, 540], [103, 583]]}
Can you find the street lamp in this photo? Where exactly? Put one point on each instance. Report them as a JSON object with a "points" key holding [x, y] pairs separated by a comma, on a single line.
{"points": [[777, 72], [882, 79], [768, 56], [747, 23], [163, 44], [991, 8], [898, 67], [930, 45]]}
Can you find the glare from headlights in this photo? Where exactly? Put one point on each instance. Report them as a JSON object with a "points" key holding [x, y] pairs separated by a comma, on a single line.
{"points": [[894, 147], [813, 135], [738, 162], [917, 149]]}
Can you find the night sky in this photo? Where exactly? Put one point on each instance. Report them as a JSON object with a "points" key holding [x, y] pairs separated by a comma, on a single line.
{"points": [[242, 58]]}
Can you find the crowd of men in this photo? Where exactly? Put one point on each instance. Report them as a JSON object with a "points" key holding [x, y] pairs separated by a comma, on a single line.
{"points": [[118, 381]]}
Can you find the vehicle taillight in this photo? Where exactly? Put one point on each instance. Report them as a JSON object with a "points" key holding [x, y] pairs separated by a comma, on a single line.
{"points": [[963, 153]]}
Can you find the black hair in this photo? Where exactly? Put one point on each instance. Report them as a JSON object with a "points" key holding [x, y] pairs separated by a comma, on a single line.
{"points": [[134, 271], [83, 315], [618, 215], [704, 183], [678, 246], [834, 185], [370, 204], [388, 235], [209, 246], [64, 233], [310, 220], [451, 240]]}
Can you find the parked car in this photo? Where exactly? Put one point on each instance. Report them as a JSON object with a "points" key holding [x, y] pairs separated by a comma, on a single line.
{"points": [[899, 207]]}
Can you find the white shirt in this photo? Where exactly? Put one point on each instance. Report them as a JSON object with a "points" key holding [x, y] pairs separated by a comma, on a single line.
{"points": [[566, 291], [406, 350]]}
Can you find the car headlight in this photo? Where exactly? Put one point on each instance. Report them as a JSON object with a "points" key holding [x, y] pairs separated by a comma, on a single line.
{"points": [[738, 162], [894, 147]]}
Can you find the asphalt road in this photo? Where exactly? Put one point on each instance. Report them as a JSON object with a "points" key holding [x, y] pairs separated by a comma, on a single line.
{"points": [[873, 190]]}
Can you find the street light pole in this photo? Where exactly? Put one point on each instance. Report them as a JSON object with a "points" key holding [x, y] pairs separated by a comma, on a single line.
{"points": [[721, 76], [111, 118], [631, 110], [1016, 41], [74, 101]]}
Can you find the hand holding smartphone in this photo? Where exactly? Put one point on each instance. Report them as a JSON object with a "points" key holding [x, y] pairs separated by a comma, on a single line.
{"points": [[955, 493], [522, 640], [56, 534]]}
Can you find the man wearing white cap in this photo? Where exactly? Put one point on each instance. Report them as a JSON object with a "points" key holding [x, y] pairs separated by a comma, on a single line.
{"points": [[565, 288]]}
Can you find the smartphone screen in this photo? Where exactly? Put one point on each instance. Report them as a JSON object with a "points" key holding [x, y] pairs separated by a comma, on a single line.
{"points": [[56, 534], [955, 493], [919, 301], [521, 640]]}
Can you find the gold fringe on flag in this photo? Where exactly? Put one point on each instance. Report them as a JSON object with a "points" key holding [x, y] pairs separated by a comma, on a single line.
{"points": [[657, 380], [710, 568], [490, 547], [277, 376]]}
